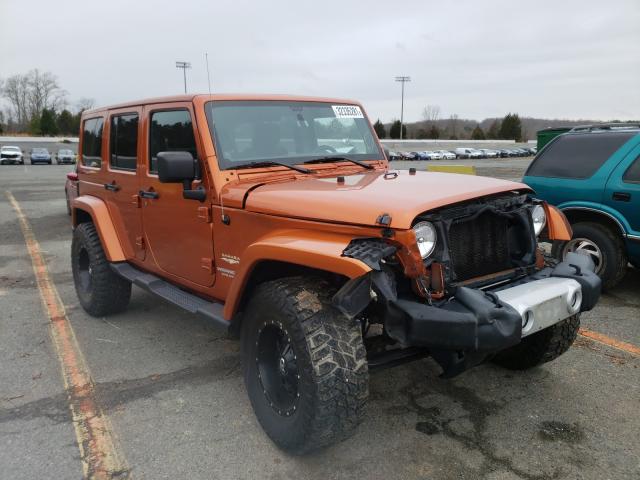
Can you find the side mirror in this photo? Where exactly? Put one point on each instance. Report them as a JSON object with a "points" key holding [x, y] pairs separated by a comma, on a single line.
{"points": [[180, 167], [176, 167]]}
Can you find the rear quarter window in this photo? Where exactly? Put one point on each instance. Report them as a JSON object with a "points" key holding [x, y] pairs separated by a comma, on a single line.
{"points": [[577, 156], [632, 175], [92, 142]]}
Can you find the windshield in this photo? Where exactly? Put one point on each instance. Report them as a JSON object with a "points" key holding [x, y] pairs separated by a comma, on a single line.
{"points": [[289, 132], [65, 152], [40, 150], [10, 149]]}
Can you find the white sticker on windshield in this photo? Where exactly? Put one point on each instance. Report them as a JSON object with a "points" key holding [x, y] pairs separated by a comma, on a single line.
{"points": [[347, 111]]}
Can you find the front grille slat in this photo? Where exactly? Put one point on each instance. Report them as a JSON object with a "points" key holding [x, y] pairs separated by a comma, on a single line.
{"points": [[479, 246]]}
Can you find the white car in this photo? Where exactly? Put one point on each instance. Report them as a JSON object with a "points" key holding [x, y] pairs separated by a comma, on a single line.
{"points": [[11, 154], [446, 155], [434, 155]]}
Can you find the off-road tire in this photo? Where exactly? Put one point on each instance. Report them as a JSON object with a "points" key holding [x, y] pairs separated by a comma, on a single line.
{"points": [[105, 293], [541, 347], [333, 382], [611, 246]]}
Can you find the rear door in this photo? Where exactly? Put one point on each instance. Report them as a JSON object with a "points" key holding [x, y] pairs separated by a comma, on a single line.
{"points": [[122, 184], [622, 192], [178, 231]]}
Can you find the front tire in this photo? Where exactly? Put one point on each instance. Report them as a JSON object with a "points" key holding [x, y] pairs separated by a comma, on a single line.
{"points": [[602, 245], [100, 291], [304, 364], [541, 347]]}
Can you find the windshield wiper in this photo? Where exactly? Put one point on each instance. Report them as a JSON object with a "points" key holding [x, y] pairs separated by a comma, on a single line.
{"points": [[273, 164], [340, 159]]}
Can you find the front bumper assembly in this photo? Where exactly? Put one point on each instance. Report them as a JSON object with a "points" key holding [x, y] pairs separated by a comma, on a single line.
{"points": [[475, 323]]}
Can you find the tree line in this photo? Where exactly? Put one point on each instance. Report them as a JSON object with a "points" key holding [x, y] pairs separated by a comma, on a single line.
{"points": [[38, 105], [507, 128]]}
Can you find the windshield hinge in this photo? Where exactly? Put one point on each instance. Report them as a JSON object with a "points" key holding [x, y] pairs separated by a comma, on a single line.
{"points": [[204, 214]]}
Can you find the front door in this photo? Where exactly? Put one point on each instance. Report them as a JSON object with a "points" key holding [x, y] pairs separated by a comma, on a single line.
{"points": [[622, 192], [178, 231], [121, 178]]}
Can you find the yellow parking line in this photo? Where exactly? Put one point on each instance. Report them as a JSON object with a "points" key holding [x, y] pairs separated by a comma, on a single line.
{"points": [[609, 341], [101, 456]]}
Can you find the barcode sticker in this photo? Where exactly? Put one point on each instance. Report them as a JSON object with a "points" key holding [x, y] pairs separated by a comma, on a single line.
{"points": [[347, 111]]}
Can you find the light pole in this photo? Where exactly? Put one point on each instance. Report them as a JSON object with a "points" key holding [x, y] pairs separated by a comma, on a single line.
{"points": [[184, 66], [402, 80]]}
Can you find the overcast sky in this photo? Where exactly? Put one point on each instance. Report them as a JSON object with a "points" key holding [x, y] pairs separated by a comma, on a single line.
{"points": [[552, 59]]}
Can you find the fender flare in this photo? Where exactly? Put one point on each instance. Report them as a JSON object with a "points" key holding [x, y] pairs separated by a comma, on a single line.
{"points": [[99, 213], [319, 250], [600, 209]]}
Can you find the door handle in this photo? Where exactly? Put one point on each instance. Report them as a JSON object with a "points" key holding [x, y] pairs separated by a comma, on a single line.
{"points": [[621, 196], [111, 186], [148, 194]]}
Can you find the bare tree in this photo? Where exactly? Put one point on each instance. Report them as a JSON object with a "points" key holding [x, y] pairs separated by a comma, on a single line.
{"points": [[431, 114], [85, 103], [16, 90], [29, 94], [44, 92]]}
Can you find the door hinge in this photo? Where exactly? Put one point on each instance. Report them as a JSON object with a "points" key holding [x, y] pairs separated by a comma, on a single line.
{"points": [[140, 243], [204, 214], [206, 263], [135, 199]]}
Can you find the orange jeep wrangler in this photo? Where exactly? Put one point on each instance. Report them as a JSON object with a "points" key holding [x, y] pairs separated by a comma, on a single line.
{"points": [[278, 219]]}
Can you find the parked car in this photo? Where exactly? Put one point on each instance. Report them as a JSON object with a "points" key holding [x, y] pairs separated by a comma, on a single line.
{"points": [[393, 156], [446, 155], [11, 154], [40, 155], [410, 155], [475, 153], [463, 152], [489, 153], [593, 176], [298, 251], [431, 156], [71, 190], [504, 153], [65, 156]]}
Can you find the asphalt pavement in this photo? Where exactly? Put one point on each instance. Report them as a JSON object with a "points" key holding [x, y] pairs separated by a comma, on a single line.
{"points": [[171, 387]]}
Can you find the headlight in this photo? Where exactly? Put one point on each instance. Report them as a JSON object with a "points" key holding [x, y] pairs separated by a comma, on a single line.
{"points": [[539, 218], [425, 237]]}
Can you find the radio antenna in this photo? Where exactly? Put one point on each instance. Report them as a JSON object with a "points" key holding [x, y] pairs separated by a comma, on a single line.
{"points": [[223, 217]]}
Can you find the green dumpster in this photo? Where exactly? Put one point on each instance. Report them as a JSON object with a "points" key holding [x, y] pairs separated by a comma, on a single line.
{"points": [[547, 134]]}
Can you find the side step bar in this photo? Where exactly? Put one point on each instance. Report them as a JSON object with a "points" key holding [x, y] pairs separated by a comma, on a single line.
{"points": [[211, 311]]}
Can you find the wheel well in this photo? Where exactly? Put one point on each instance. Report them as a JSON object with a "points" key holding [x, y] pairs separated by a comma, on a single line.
{"points": [[268, 270], [593, 216], [82, 217]]}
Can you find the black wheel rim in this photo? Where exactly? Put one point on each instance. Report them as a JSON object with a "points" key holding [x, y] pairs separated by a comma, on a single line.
{"points": [[84, 270], [277, 368]]}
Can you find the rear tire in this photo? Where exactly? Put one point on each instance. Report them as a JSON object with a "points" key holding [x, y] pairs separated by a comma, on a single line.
{"points": [[310, 389], [540, 347], [100, 291], [601, 241]]}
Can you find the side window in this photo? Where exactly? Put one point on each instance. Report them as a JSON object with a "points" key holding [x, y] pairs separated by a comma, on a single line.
{"points": [[123, 141], [632, 175], [577, 156], [170, 131], [92, 142]]}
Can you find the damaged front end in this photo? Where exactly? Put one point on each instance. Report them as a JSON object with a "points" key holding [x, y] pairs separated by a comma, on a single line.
{"points": [[481, 289]]}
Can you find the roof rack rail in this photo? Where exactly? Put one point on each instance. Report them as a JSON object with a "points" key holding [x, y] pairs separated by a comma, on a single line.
{"points": [[605, 126]]}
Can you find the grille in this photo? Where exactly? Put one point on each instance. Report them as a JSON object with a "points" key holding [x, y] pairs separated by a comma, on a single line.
{"points": [[479, 246]]}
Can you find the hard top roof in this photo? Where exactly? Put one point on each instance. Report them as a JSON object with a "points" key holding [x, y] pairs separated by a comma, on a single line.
{"points": [[220, 97]]}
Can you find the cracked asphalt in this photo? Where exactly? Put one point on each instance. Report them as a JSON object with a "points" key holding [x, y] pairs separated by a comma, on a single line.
{"points": [[172, 389]]}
